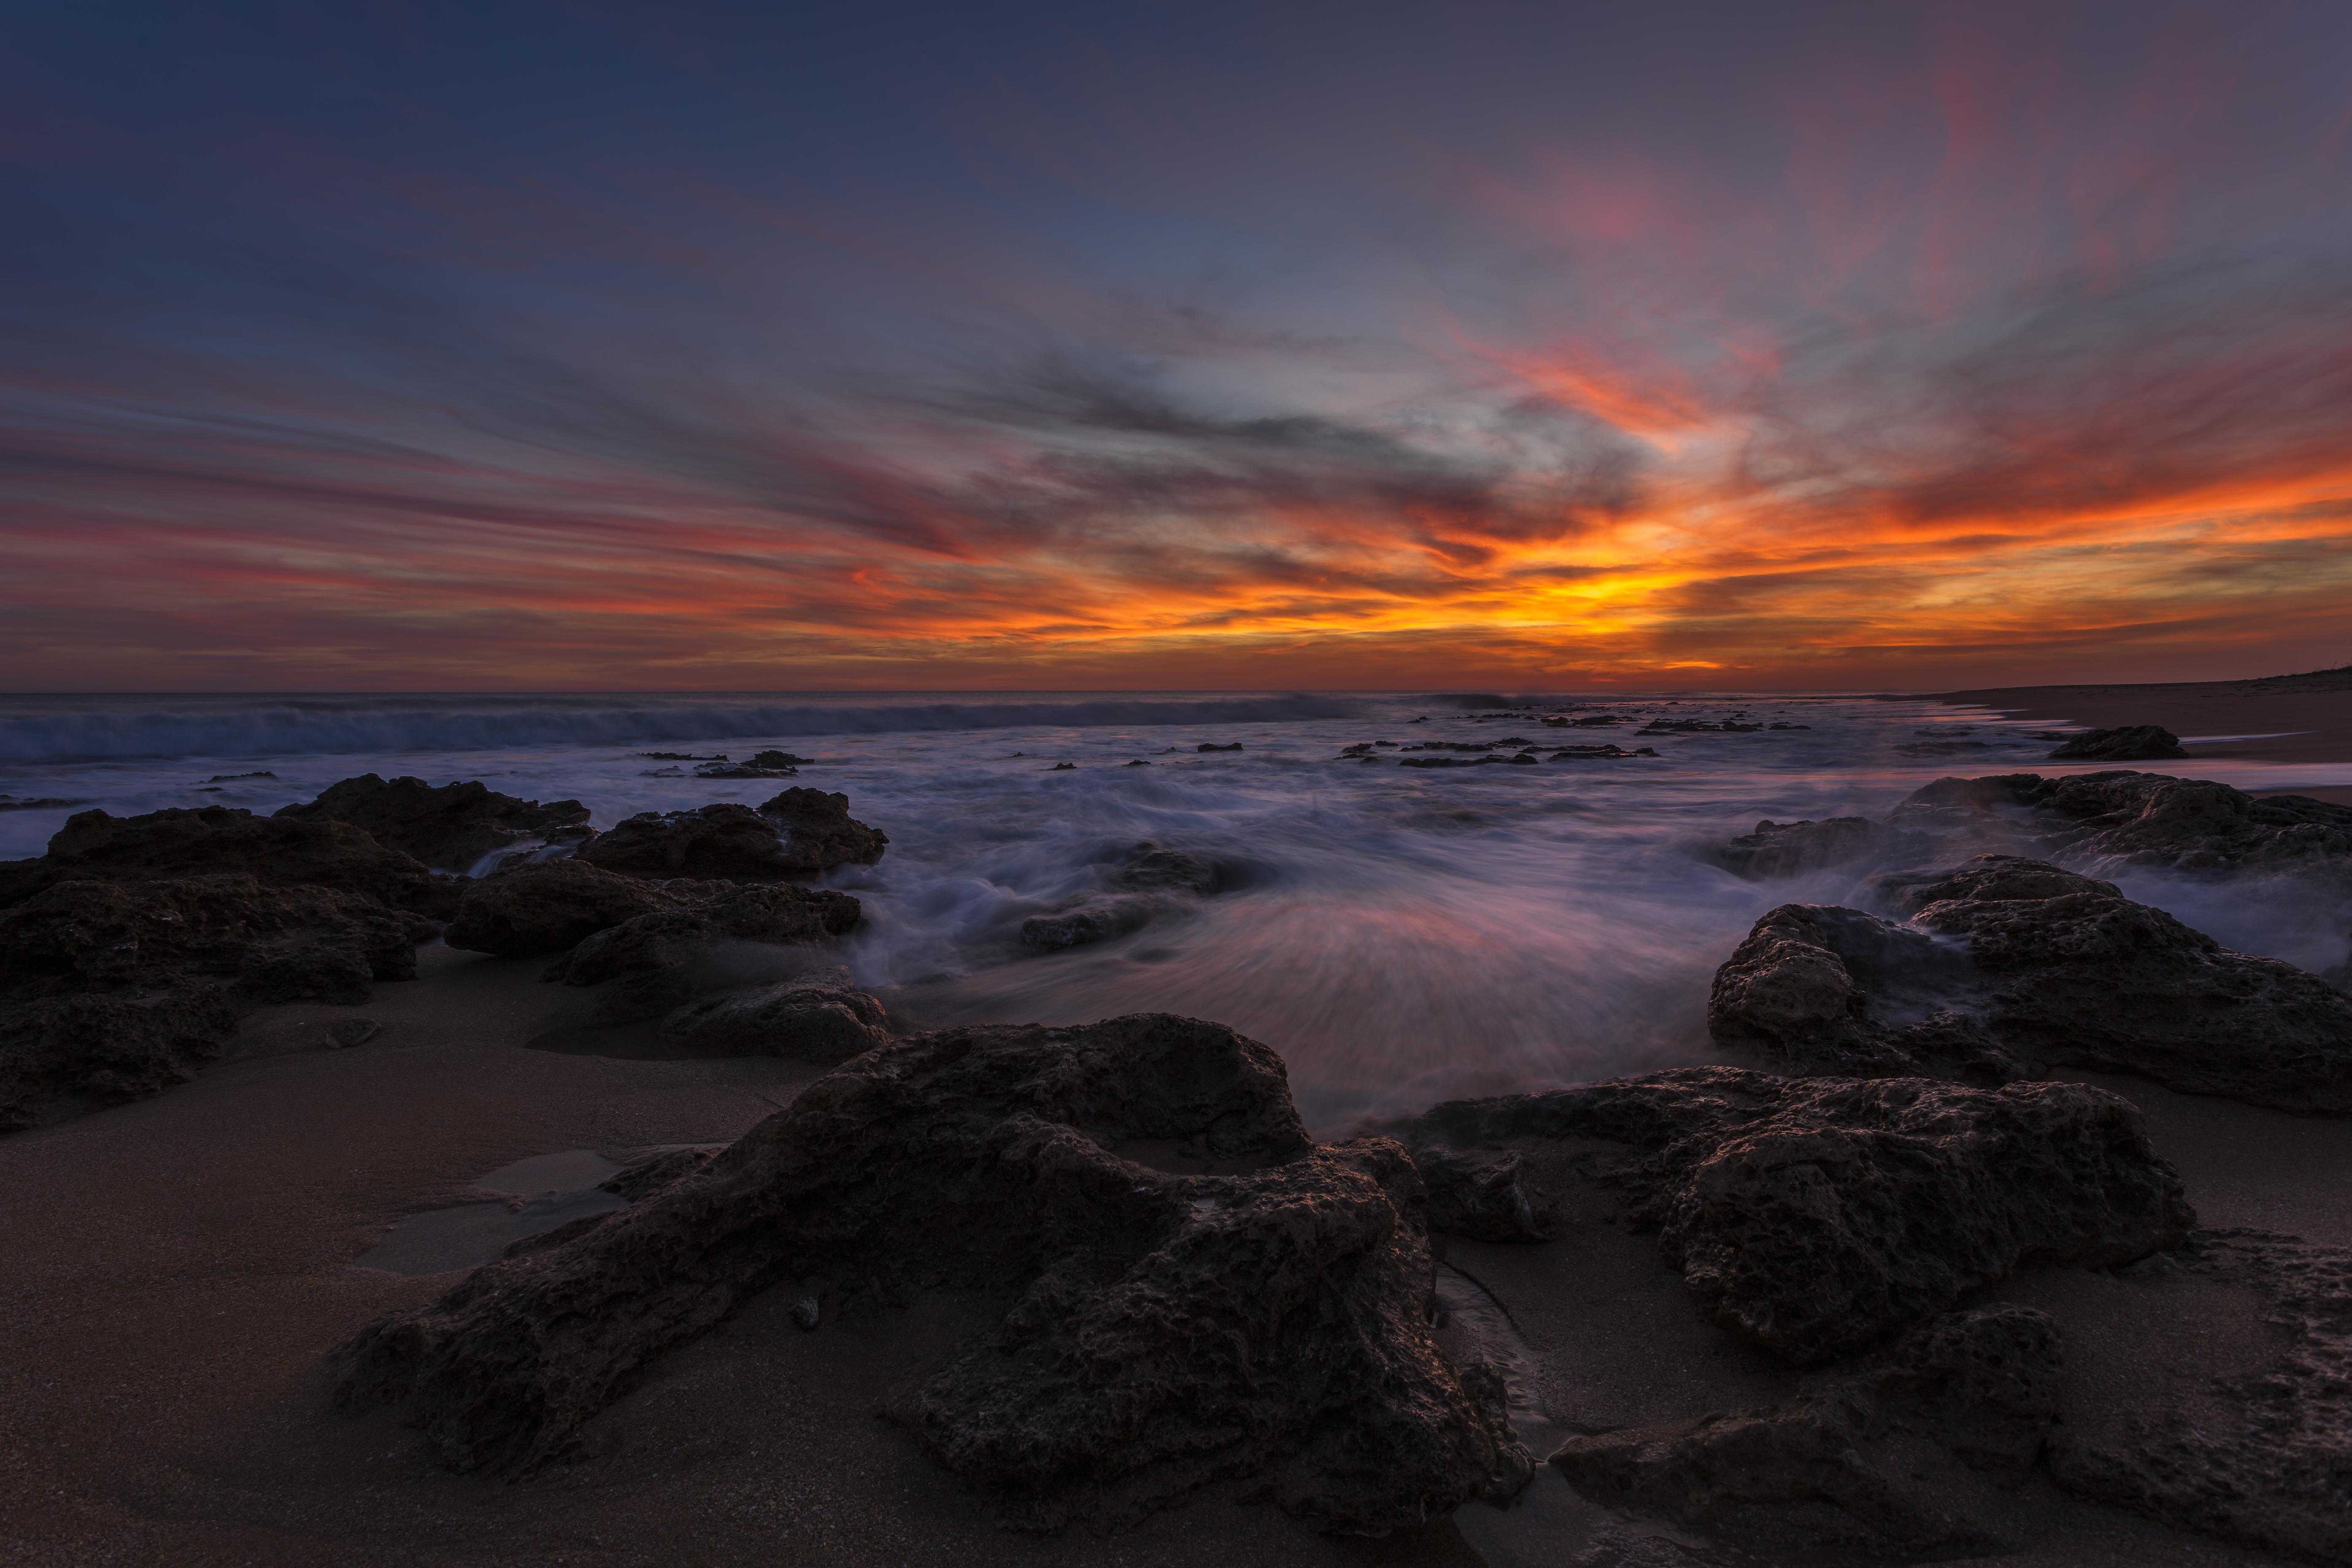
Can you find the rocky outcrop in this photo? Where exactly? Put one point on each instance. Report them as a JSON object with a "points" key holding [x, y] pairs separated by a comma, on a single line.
{"points": [[2006, 966], [1851, 1461], [799, 833], [1833, 844], [1813, 1217], [1096, 921], [215, 840], [819, 832], [1170, 1330], [2131, 743], [1148, 881], [2259, 1460], [824, 1025], [658, 961], [548, 906], [450, 825], [1153, 869], [62, 1055], [2097, 822]]}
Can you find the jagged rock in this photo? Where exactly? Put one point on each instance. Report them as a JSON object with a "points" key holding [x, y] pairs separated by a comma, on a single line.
{"points": [[2131, 743], [799, 832], [1482, 1194], [518, 911], [212, 840], [1980, 1388], [2109, 820], [662, 959], [821, 1023], [1098, 921], [2007, 965], [819, 832], [2260, 1460], [451, 826], [62, 1056], [1154, 869], [1836, 843], [1171, 1330], [1812, 1215]]}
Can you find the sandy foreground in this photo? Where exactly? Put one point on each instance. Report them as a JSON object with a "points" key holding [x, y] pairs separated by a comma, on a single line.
{"points": [[2299, 719], [173, 1273]]}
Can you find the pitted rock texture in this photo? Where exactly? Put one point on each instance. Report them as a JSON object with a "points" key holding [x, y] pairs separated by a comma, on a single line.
{"points": [[1834, 844], [449, 826], [64, 1055], [1846, 1463], [218, 840], [1814, 1215], [2008, 965], [1170, 1329], [798, 833], [2130, 744], [821, 1023], [548, 906], [664, 959], [2106, 821], [2265, 1459]]}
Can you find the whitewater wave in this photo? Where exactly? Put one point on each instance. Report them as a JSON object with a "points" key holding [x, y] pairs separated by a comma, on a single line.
{"points": [[98, 729]]}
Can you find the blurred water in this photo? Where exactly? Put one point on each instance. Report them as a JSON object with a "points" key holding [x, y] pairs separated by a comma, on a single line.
{"points": [[1400, 934]]}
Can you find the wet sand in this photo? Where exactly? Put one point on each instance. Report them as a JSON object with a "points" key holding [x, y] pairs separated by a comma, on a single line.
{"points": [[173, 1273], [2303, 719]]}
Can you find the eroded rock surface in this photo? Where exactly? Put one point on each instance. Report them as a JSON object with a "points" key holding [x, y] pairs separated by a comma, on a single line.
{"points": [[660, 960], [2130, 744], [64, 1055], [2008, 965], [216, 840], [810, 1023], [548, 906], [1814, 1215], [2106, 821], [819, 832], [1170, 1329], [1833, 844], [450, 825], [798, 833]]}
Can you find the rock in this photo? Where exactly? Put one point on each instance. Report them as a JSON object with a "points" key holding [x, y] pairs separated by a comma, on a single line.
{"points": [[518, 911], [211, 841], [797, 833], [821, 1023], [1841, 1464], [451, 827], [84, 936], [2132, 743], [651, 1173], [1096, 921], [345, 1033], [666, 957], [1154, 869], [62, 1055], [2106, 821], [1213, 746], [1812, 1216], [2007, 965], [42, 803], [1169, 1330], [1833, 844], [1482, 1195], [2257, 1459]]}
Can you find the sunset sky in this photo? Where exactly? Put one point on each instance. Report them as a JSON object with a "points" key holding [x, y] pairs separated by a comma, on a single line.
{"points": [[1202, 345]]}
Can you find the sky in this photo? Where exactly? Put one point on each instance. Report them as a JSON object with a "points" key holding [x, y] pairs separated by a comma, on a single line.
{"points": [[1768, 344]]}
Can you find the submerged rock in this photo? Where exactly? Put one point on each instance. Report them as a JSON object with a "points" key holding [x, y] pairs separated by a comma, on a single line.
{"points": [[2005, 966], [1155, 869], [1836, 843], [1169, 1330], [1098, 921], [822, 1024], [666, 957], [1813, 1217], [451, 826], [521, 911], [213, 840], [2131, 743]]}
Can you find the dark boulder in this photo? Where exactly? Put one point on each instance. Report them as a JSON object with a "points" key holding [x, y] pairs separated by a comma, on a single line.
{"points": [[825, 1024], [1833, 844], [1813, 1217], [799, 833], [1098, 921], [819, 832], [2131, 743], [2008, 965], [518, 911], [1154, 869], [449, 825], [1169, 1330], [2110, 820], [213, 840], [659, 960], [64, 1055]]}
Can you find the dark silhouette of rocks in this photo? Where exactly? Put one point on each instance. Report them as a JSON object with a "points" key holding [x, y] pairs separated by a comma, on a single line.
{"points": [[2259, 1460], [1150, 881], [1813, 1217], [212, 840], [449, 825], [43, 802], [68, 1055], [825, 1024], [1852, 1460], [798, 833], [1169, 1330], [2106, 820], [2008, 965], [548, 906], [1833, 844], [2131, 743], [1154, 869], [1096, 921], [660, 960], [1213, 746]]}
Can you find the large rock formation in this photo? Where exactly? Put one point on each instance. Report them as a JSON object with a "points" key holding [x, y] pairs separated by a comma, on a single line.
{"points": [[2105, 821], [1812, 1216], [663, 959], [548, 906], [1169, 1330], [2008, 965], [450, 827], [1850, 1462], [2131, 743], [215, 840], [797, 834]]}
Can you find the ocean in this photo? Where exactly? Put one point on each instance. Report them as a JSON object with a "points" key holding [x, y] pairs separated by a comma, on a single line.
{"points": [[1402, 935]]}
